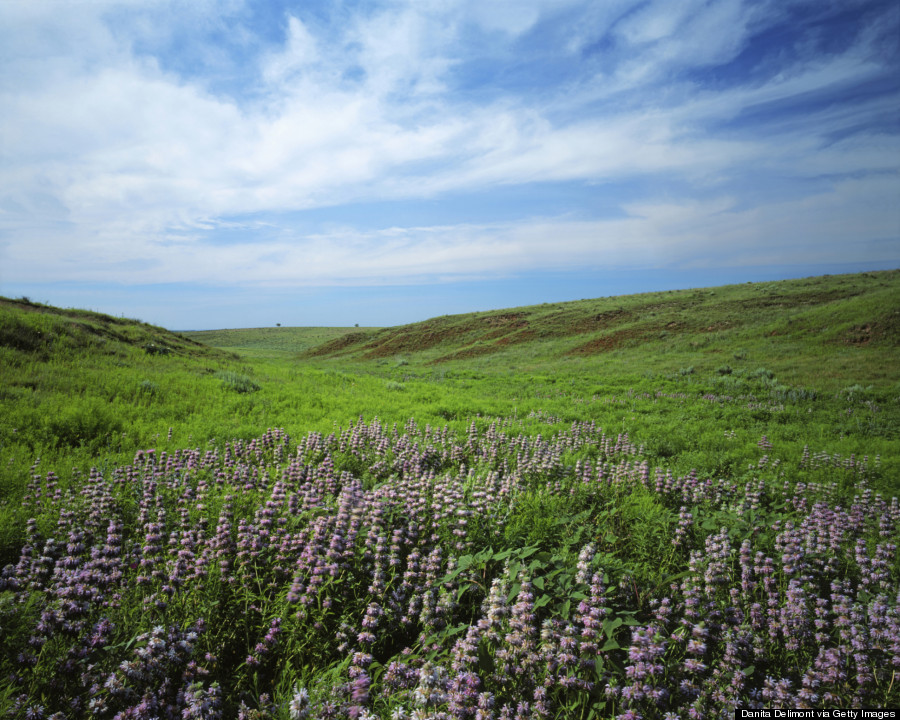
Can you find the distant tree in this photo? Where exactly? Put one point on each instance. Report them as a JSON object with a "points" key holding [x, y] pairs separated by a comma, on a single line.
{"points": [[277, 324], [356, 325]]}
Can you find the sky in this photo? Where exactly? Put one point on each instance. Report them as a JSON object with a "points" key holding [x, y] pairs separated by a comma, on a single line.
{"points": [[229, 163]]}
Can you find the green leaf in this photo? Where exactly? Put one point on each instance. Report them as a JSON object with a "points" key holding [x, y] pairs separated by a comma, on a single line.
{"points": [[553, 573], [541, 601], [126, 644], [676, 576], [748, 671], [538, 582], [609, 626], [449, 577], [485, 661], [484, 555], [564, 582], [513, 591], [456, 630], [610, 645]]}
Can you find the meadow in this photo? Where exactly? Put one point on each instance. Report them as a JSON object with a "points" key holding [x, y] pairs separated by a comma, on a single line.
{"points": [[662, 506]]}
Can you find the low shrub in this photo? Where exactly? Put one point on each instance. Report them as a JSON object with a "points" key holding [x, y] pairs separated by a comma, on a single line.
{"points": [[237, 382]]}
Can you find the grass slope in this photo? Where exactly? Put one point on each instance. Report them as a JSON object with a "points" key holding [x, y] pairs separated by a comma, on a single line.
{"points": [[270, 342], [814, 331], [583, 464], [43, 331], [75, 384]]}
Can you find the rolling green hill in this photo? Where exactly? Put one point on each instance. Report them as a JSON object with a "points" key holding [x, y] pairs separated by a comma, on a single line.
{"points": [[256, 526], [817, 331], [75, 385], [270, 341], [42, 331]]}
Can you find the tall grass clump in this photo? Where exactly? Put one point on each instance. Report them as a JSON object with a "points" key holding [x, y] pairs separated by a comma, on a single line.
{"points": [[237, 383]]}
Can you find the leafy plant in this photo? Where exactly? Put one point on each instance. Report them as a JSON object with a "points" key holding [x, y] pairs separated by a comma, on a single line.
{"points": [[237, 383]]}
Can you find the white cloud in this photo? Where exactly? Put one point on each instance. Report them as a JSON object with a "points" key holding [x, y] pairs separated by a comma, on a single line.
{"points": [[657, 20], [112, 163], [300, 53], [834, 226]]}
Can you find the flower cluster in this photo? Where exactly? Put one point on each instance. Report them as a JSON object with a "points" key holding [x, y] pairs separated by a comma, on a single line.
{"points": [[376, 572]]}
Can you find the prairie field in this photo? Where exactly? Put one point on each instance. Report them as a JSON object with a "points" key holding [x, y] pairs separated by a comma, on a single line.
{"points": [[665, 505]]}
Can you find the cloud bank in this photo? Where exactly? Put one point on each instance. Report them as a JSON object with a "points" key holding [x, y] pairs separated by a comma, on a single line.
{"points": [[290, 144]]}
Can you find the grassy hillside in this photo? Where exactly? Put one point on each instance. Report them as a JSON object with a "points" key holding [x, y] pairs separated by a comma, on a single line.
{"points": [[33, 330], [671, 502], [817, 331], [805, 362], [269, 342], [76, 384]]}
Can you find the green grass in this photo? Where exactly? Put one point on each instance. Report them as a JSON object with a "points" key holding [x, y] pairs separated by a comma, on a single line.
{"points": [[794, 384], [816, 331], [277, 342], [78, 386]]}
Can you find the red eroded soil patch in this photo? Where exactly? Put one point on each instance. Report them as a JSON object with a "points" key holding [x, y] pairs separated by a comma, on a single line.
{"points": [[602, 321], [884, 330], [605, 343], [503, 325], [420, 338], [724, 325], [515, 338], [429, 335], [859, 335], [506, 320], [467, 352], [333, 347]]}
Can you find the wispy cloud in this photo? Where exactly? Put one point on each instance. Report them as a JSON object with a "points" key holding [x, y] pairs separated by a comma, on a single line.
{"points": [[133, 134]]}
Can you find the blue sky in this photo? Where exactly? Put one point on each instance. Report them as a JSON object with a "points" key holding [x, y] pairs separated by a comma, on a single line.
{"points": [[237, 164]]}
